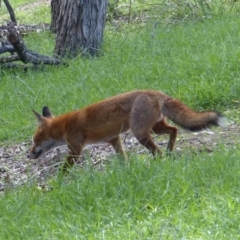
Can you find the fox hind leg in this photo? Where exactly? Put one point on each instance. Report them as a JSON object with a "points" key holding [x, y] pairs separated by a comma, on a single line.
{"points": [[143, 115], [162, 127], [146, 140]]}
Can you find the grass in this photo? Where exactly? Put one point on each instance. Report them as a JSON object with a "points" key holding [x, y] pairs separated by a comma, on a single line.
{"points": [[192, 196], [196, 62], [26, 12]]}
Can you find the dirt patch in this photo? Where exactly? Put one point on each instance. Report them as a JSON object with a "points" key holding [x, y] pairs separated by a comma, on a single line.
{"points": [[17, 169]]}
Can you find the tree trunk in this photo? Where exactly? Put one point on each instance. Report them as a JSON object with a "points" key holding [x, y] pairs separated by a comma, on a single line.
{"points": [[79, 26], [55, 4]]}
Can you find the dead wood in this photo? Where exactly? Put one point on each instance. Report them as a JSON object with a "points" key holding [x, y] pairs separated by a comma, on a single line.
{"points": [[10, 10], [13, 43]]}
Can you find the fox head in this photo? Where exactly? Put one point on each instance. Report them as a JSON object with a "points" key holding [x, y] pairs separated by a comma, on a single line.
{"points": [[43, 139]]}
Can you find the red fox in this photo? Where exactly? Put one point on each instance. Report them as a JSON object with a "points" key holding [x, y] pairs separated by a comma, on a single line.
{"points": [[142, 111]]}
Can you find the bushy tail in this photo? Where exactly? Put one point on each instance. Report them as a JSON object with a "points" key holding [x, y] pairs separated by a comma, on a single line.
{"points": [[186, 118]]}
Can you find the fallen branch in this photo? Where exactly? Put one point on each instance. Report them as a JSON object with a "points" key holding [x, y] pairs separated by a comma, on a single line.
{"points": [[15, 45], [6, 47], [10, 10]]}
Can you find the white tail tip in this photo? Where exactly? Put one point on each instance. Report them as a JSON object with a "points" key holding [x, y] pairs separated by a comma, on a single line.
{"points": [[223, 122]]}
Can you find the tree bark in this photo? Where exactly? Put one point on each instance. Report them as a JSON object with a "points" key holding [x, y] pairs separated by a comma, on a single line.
{"points": [[79, 26], [55, 4]]}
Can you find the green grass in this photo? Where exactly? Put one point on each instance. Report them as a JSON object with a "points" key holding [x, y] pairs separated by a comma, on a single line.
{"points": [[27, 12], [191, 197], [196, 62]]}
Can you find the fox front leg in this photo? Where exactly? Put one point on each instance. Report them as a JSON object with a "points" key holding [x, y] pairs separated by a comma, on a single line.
{"points": [[74, 154], [117, 145]]}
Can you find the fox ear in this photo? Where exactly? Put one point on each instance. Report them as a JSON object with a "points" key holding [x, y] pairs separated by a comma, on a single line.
{"points": [[46, 112], [39, 117]]}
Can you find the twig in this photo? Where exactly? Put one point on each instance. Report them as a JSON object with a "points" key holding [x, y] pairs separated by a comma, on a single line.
{"points": [[14, 44], [10, 10]]}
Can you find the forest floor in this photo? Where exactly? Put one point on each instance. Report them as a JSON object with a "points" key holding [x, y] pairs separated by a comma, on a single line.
{"points": [[17, 169]]}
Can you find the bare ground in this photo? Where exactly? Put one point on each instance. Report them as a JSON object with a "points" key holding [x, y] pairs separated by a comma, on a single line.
{"points": [[17, 169]]}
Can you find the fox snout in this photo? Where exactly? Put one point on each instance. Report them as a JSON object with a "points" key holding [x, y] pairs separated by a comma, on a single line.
{"points": [[34, 154], [40, 148]]}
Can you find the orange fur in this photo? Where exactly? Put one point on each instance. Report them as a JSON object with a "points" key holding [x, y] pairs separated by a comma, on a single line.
{"points": [[142, 111]]}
